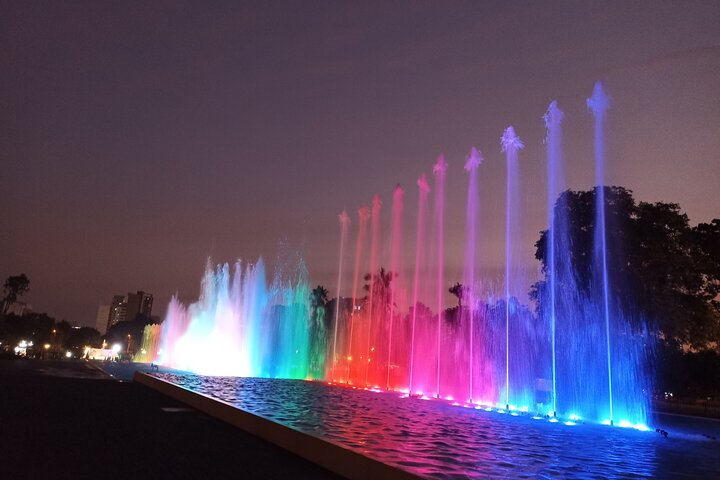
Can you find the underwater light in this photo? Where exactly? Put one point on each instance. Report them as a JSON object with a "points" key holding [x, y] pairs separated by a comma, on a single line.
{"points": [[573, 417]]}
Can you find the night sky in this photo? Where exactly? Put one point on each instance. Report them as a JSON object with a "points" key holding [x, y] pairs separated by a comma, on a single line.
{"points": [[139, 138]]}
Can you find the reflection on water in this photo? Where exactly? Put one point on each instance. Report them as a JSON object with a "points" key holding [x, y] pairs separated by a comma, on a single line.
{"points": [[438, 440]]}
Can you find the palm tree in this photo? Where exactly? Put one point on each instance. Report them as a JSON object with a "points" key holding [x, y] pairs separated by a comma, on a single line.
{"points": [[318, 329], [459, 291], [380, 284], [318, 297], [14, 287]]}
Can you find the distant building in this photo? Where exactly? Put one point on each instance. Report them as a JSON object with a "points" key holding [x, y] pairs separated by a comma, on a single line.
{"points": [[128, 307], [103, 316], [118, 307], [139, 303]]}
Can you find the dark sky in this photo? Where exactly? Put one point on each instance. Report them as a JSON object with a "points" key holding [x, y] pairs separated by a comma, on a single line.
{"points": [[137, 138]]}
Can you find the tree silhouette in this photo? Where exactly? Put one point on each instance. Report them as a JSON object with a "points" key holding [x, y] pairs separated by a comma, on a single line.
{"points": [[318, 297], [379, 285], [459, 291], [660, 268], [15, 286]]}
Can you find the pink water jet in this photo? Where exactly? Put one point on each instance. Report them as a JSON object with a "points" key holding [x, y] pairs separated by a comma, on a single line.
{"points": [[439, 170], [423, 190]]}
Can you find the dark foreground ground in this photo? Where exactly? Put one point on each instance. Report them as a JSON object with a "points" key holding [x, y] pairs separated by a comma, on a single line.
{"points": [[69, 420]]}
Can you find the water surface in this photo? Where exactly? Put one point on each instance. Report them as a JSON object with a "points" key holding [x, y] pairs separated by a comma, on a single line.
{"points": [[438, 440]]}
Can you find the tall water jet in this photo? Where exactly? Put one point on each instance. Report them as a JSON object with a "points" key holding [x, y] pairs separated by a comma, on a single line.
{"points": [[375, 240], [474, 159], [439, 170], [344, 222], [599, 104], [511, 144], [396, 266], [553, 123], [363, 217], [423, 190]]}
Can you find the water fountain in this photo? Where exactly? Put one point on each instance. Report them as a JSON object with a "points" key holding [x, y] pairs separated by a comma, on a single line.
{"points": [[491, 352]]}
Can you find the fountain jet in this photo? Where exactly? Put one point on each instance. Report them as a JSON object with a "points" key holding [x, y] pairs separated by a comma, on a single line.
{"points": [[344, 222], [598, 104], [511, 144], [423, 190]]}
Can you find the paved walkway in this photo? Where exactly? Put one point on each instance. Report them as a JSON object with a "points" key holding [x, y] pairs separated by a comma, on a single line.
{"points": [[69, 420]]}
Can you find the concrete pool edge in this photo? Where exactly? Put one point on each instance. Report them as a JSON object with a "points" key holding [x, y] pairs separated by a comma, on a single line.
{"points": [[339, 460]]}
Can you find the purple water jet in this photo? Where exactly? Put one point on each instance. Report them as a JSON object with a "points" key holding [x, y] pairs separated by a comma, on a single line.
{"points": [[511, 144]]}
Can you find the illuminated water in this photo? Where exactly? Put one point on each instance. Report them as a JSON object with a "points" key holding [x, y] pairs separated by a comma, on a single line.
{"points": [[580, 356], [435, 439]]}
